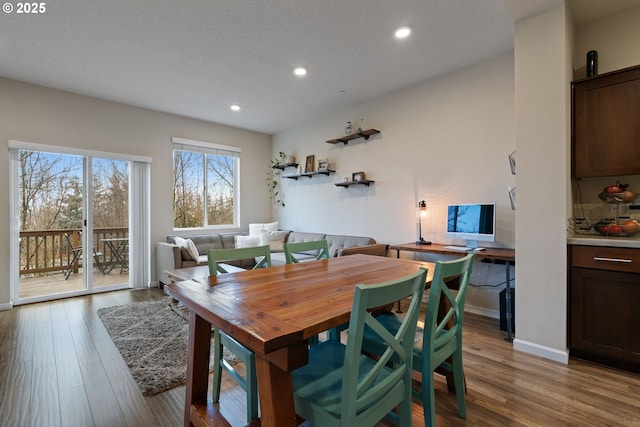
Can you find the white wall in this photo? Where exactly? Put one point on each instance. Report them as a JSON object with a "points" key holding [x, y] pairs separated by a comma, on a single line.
{"points": [[445, 141], [47, 116], [542, 46]]}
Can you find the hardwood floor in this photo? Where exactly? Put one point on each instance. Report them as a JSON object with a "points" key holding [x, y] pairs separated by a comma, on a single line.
{"points": [[58, 367]]}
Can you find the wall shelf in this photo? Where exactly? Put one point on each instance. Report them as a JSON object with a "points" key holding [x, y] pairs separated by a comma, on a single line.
{"points": [[286, 165], [366, 182], [362, 134], [309, 174]]}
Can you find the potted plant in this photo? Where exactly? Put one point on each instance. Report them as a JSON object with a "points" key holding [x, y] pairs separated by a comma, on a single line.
{"points": [[273, 178]]}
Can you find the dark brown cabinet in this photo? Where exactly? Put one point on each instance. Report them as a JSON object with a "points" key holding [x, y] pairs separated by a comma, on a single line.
{"points": [[606, 124], [604, 305]]}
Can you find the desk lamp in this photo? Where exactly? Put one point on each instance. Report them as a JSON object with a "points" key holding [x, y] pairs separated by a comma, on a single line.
{"points": [[421, 212]]}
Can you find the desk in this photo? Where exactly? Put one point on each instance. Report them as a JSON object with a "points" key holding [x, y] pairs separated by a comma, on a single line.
{"points": [[119, 256], [274, 311], [496, 254]]}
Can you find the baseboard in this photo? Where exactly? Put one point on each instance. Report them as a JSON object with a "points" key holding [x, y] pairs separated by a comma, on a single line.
{"points": [[7, 306], [541, 350], [521, 345]]}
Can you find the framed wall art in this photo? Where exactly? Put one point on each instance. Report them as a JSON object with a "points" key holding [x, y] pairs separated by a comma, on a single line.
{"points": [[357, 176], [309, 164]]}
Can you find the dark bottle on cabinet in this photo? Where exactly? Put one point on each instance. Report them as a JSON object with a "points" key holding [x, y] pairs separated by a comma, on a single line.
{"points": [[592, 63]]}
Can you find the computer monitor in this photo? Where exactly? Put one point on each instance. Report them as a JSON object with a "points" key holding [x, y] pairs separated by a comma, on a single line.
{"points": [[472, 223]]}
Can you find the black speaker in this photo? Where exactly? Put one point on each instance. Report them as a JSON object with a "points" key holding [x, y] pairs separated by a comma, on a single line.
{"points": [[503, 310]]}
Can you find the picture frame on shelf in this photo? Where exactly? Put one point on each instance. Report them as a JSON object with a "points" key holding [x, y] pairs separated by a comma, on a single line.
{"points": [[357, 176], [310, 163], [323, 165]]}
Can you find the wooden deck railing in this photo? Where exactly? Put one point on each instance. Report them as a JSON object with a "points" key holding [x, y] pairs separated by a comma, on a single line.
{"points": [[46, 251]]}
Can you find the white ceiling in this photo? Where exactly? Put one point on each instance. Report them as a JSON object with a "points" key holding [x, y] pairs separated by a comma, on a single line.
{"points": [[197, 57]]}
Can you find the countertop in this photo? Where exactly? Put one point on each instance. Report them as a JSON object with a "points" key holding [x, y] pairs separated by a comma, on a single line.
{"points": [[595, 240]]}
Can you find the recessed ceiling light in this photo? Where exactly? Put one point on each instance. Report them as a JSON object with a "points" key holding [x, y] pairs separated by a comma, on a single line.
{"points": [[300, 71], [235, 107], [402, 32]]}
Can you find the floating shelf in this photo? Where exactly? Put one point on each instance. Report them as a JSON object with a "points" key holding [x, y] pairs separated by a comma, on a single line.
{"points": [[286, 165], [309, 174], [366, 182], [363, 134]]}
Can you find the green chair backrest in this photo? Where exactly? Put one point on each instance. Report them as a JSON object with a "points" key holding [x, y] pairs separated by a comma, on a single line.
{"points": [[443, 336], [367, 395], [262, 255], [318, 247]]}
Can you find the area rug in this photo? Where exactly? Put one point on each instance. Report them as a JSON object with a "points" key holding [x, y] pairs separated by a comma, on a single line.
{"points": [[152, 338]]}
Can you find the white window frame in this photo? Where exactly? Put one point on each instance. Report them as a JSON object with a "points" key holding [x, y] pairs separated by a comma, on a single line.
{"points": [[209, 148]]}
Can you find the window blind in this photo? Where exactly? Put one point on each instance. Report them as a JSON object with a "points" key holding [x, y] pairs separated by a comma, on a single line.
{"points": [[205, 147]]}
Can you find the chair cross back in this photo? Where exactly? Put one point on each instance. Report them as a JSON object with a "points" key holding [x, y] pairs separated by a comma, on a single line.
{"points": [[341, 386], [215, 257], [439, 344], [445, 329], [321, 248]]}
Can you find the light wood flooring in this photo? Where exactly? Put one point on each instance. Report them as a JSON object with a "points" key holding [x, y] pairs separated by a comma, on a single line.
{"points": [[58, 367]]}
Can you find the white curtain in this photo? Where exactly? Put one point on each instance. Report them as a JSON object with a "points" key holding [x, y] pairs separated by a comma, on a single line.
{"points": [[140, 230]]}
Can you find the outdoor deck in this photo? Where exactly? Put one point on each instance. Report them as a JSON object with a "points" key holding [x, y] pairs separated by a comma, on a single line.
{"points": [[56, 284]]}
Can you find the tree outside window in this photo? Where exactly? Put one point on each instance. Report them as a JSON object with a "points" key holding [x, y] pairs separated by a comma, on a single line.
{"points": [[204, 189]]}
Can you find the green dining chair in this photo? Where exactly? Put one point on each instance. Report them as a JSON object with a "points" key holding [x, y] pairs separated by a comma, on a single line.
{"points": [[340, 386], [439, 343], [319, 248], [249, 383]]}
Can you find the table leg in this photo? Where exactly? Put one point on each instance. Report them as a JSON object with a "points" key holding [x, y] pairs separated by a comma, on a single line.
{"points": [[276, 395], [197, 363], [507, 298]]}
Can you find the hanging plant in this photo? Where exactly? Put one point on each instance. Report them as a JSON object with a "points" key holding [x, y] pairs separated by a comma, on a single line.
{"points": [[273, 179]]}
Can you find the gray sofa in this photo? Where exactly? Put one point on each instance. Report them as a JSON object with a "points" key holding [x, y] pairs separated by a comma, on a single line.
{"points": [[170, 256]]}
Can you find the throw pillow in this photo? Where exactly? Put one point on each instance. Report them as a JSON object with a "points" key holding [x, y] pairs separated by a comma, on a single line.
{"points": [[255, 229], [275, 240], [184, 252], [193, 251], [247, 241]]}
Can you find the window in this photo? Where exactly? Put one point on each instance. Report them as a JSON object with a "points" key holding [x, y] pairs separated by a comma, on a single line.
{"points": [[205, 184]]}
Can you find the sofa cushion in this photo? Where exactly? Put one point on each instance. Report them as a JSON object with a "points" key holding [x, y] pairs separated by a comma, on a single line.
{"points": [[247, 241], [275, 240], [255, 229], [229, 240], [337, 242], [300, 236]]}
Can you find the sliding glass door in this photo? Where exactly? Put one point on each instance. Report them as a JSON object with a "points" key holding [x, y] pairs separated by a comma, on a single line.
{"points": [[72, 232]]}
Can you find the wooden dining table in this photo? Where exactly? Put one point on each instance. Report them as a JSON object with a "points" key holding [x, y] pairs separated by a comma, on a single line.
{"points": [[273, 311]]}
